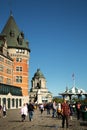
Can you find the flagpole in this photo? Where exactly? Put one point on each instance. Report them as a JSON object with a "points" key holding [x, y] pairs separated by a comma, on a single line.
{"points": [[73, 77]]}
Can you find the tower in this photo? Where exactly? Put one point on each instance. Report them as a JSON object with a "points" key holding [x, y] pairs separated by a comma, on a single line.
{"points": [[39, 92], [19, 51]]}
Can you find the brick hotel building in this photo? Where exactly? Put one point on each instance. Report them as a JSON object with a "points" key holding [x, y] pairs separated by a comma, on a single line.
{"points": [[14, 66]]}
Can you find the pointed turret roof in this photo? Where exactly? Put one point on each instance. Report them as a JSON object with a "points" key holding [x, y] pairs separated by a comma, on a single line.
{"points": [[15, 38], [10, 25]]}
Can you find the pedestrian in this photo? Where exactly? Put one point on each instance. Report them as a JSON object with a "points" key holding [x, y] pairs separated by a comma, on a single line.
{"points": [[71, 111], [0, 110], [41, 108], [54, 109], [24, 111], [4, 109], [85, 108], [30, 110], [65, 113], [59, 110], [78, 109], [48, 107]]}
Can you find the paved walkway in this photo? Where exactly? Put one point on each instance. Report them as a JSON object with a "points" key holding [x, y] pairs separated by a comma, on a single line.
{"points": [[40, 122]]}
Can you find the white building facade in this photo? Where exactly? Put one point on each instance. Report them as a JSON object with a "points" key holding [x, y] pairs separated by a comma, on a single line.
{"points": [[39, 92]]}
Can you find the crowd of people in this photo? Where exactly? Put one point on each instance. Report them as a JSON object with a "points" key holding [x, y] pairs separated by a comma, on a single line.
{"points": [[63, 111]]}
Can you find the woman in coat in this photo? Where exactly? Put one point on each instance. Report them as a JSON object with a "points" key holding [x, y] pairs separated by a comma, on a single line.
{"points": [[24, 112]]}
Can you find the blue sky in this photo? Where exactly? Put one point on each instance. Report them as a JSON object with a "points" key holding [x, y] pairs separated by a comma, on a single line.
{"points": [[57, 35]]}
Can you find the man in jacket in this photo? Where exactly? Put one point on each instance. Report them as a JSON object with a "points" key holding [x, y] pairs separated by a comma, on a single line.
{"points": [[65, 113], [30, 110]]}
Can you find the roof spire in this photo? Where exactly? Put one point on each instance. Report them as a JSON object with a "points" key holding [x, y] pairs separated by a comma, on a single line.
{"points": [[10, 6], [11, 13]]}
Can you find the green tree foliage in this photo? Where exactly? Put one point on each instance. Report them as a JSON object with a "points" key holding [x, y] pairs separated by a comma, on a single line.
{"points": [[57, 100]]}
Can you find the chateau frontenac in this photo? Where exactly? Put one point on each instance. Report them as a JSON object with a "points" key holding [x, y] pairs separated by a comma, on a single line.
{"points": [[14, 66]]}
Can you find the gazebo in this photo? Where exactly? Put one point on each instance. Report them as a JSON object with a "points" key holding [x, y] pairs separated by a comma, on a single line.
{"points": [[73, 91]]}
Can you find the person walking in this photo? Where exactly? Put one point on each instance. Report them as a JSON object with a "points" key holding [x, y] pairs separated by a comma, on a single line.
{"points": [[48, 107], [4, 109], [30, 111], [71, 111], [78, 110], [24, 111], [54, 109], [65, 113], [0, 110], [41, 108], [59, 110]]}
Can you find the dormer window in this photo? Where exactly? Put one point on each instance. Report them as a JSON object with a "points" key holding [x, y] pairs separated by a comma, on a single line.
{"points": [[20, 39], [22, 34], [12, 34]]}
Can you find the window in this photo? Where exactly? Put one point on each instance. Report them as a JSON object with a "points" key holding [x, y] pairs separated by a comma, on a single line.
{"points": [[13, 102], [19, 59], [8, 62], [19, 79], [17, 51], [20, 41], [20, 102], [8, 81], [23, 51], [18, 68], [1, 67], [12, 34], [20, 51], [8, 71]]}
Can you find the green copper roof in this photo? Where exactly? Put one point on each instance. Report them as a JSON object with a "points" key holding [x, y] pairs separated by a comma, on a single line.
{"points": [[38, 74], [15, 38]]}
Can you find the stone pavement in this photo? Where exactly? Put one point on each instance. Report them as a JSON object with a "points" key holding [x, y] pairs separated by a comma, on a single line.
{"points": [[40, 122]]}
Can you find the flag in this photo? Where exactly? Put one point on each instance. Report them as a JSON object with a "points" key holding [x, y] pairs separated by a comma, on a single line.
{"points": [[73, 76]]}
